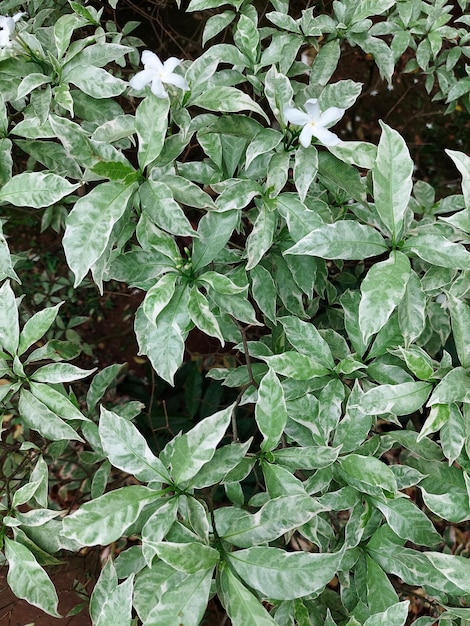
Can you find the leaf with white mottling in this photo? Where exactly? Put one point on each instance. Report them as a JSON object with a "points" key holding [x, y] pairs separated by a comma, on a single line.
{"points": [[276, 517], [36, 189], [105, 519], [127, 449], [151, 122], [243, 608], [392, 177], [9, 323], [401, 399], [196, 447], [184, 603], [39, 417], [90, 223], [345, 239], [28, 580], [381, 291], [281, 575], [270, 411]]}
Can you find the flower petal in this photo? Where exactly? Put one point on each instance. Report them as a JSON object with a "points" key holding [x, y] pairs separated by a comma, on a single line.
{"points": [[175, 79], [18, 16], [141, 79], [170, 65], [313, 109], [157, 88], [151, 62], [294, 116], [326, 137], [306, 135], [330, 117], [7, 24]]}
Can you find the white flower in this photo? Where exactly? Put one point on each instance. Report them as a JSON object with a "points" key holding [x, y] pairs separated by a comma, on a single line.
{"points": [[315, 123], [7, 26], [157, 73]]}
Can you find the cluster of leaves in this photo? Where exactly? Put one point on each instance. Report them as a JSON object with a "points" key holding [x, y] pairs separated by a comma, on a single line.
{"points": [[341, 282]]}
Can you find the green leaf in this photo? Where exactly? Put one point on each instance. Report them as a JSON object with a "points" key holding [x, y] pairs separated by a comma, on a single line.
{"points": [[300, 220], [395, 615], [454, 387], [197, 447], [243, 608], [163, 342], [90, 223], [238, 194], [220, 283], [225, 460], [264, 291], [28, 580], [462, 162], [127, 449], [202, 316], [157, 201], [438, 416], [305, 169], [60, 373], [381, 291], [401, 399], [345, 239], [353, 429], [6, 266], [187, 557], [35, 189], [9, 324], [408, 521], [151, 122], [392, 178], [96, 82], [306, 457], [111, 603], [306, 339], [453, 434], [39, 417], [159, 295], [412, 309], [460, 316], [437, 250], [455, 569], [100, 383], [57, 402], [270, 411], [380, 591], [265, 141], [157, 527], [295, 365], [278, 91], [105, 519], [183, 603], [214, 230], [261, 237], [368, 471], [281, 575], [246, 38], [226, 100], [37, 326], [337, 174]]}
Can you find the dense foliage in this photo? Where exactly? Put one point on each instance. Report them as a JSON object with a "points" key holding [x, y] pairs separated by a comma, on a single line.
{"points": [[216, 187]]}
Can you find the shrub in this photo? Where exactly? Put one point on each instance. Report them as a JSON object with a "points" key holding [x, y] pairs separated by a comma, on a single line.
{"points": [[216, 187]]}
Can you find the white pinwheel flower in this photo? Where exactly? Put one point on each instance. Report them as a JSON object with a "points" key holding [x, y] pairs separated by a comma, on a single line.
{"points": [[158, 74], [7, 27], [315, 122]]}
